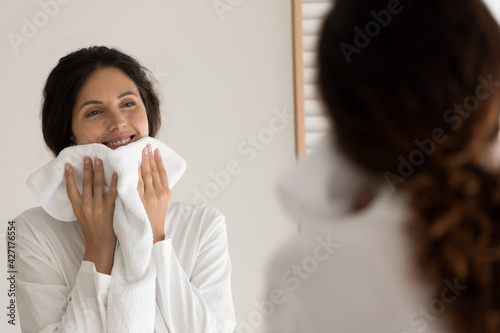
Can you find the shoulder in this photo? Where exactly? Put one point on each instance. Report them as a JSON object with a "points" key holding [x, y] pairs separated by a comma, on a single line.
{"points": [[199, 214], [195, 230], [35, 223], [198, 221], [32, 213], [33, 218]]}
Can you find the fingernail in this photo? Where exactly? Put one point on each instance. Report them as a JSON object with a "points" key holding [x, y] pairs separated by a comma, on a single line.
{"points": [[67, 167], [158, 151], [97, 161], [149, 148], [145, 150], [86, 160], [115, 176]]}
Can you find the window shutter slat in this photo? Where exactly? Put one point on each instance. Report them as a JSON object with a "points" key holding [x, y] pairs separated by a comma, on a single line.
{"points": [[316, 124]]}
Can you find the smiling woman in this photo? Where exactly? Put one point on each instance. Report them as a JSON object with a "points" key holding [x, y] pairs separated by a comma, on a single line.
{"points": [[164, 266], [115, 118], [103, 81]]}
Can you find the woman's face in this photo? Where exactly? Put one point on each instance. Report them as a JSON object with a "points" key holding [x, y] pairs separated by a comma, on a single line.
{"points": [[109, 110]]}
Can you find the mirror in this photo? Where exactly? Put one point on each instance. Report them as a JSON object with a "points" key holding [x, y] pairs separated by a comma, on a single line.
{"points": [[225, 72]]}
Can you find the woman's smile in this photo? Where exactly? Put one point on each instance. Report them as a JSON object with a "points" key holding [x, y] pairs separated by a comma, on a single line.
{"points": [[109, 110], [120, 141]]}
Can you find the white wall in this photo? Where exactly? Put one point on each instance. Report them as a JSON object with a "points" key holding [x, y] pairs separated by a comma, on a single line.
{"points": [[221, 76]]}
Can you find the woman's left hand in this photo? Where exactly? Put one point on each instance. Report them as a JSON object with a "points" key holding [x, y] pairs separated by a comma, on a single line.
{"points": [[154, 191]]}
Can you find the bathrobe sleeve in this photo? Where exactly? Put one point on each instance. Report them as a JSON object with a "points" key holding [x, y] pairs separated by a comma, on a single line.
{"points": [[200, 301], [46, 302]]}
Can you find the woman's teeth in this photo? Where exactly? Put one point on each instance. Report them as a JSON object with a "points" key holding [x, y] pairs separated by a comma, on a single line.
{"points": [[117, 143]]}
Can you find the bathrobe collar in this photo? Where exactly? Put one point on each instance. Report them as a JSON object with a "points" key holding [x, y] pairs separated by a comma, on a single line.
{"points": [[322, 186]]}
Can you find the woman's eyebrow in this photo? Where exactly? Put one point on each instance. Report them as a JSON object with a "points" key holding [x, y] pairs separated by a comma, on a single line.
{"points": [[99, 102], [126, 94], [89, 102]]}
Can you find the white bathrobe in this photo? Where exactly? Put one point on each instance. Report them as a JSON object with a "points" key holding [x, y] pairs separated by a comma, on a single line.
{"points": [[347, 272], [58, 292]]}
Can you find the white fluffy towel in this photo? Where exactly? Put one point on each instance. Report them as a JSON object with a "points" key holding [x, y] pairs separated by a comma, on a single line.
{"points": [[131, 301]]}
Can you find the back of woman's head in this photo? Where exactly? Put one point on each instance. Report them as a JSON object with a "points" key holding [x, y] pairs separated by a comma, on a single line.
{"points": [[70, 74], [412, 88]]}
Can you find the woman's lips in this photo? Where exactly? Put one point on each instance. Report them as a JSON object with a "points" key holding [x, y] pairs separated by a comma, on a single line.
{"points": [[119, 141]]}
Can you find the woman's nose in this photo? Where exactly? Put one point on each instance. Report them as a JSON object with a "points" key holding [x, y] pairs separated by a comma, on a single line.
{"points": [[116, 120]]}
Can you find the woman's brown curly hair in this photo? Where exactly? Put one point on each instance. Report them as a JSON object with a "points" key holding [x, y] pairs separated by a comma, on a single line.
{"points": [[416, 102]]}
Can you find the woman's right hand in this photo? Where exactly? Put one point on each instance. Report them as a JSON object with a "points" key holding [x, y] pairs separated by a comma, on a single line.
{"points": [[94, 212]]}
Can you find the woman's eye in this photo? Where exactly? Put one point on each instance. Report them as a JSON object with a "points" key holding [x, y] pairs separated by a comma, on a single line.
{"points": [[129, 104], [93, 113]]}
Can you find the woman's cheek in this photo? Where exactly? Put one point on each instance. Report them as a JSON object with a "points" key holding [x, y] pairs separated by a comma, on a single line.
{"points": [[141, 123], [88, 135]]}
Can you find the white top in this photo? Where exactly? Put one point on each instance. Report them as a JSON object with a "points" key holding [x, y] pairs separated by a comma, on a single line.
{"points": [[347, 271], [58, 292]]}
